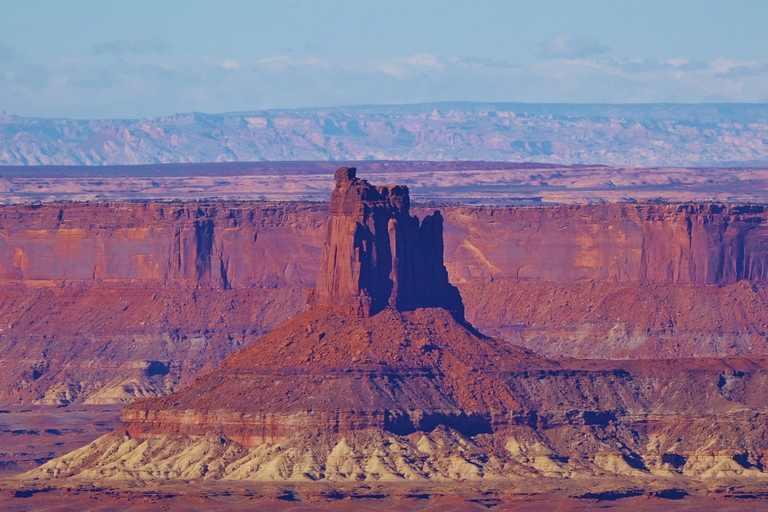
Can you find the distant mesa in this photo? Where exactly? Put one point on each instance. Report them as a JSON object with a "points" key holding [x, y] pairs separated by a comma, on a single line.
{"points": [[704, 135], [377, 255]]}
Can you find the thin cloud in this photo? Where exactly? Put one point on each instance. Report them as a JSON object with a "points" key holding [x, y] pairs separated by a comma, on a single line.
{"points": [[89, 87], [230, 64], [735, 68], [640, 65], [571, 46], [132, 47], [688, 65], [401, 68], [488, 63], [395, 67], [20, 72], [423, 62]]}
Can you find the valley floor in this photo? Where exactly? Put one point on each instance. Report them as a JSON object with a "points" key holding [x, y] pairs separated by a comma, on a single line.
{"points": [[33, 434], [529, 495]]}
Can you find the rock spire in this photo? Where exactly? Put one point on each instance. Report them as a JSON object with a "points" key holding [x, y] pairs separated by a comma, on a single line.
{"points": [[377, 255]]}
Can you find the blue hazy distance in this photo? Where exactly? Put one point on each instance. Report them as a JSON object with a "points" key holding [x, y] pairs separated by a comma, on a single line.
{"points": [[145, 58]]}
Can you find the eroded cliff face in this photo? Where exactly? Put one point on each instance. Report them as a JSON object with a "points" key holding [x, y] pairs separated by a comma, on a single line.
{"points": [[218, 245], [92, 293], [106, 303], [256, 244], [646, 243]]}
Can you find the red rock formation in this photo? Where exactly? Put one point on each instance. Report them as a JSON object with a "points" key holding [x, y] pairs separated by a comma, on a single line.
{"points": [[93, 290], [218, 245], [328, 371], [258, 244], [656, 243], [376, 255], [261, 243], [355, 360], [337, 375]]}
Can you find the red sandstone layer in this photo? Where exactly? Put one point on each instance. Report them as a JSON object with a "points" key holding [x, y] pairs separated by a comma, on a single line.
{"points": [[137, 298], [253, 244], [326, 371]]}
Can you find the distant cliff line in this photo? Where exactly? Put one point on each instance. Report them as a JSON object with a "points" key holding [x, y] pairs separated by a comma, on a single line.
{"points": [[252, 244], [618, 135]]}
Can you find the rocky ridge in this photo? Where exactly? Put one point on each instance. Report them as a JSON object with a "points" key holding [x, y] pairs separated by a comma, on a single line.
{"points": [[634, 135]]}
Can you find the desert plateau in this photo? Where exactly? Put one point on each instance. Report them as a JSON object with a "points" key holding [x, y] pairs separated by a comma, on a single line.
{"points": [[384, 256], [365, 353]]}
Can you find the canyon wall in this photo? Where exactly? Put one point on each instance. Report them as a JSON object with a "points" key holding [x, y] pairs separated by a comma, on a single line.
{"points": [[242, 245], [189, 245], [105, 302], [654, 243]]}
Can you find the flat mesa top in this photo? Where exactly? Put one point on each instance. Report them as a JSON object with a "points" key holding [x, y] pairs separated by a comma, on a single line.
{"points": [[472, 183]]}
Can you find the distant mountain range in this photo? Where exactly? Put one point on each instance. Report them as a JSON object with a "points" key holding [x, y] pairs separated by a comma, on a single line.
{"points": [[717, 135]]}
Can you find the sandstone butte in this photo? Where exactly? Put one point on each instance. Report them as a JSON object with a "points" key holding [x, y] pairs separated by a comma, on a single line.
{"points": [[109, 302], [380, 381]]}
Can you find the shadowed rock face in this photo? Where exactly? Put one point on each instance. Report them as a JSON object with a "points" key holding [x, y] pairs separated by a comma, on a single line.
{"points": [[377, 255]]}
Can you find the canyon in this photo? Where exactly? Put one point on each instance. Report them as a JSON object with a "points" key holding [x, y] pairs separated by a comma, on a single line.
{"points": [[375, 382], [635, 332], [108, 302]]}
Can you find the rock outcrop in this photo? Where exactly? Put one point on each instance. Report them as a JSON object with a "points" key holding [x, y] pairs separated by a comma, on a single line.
{"points": [[326, 371], [703, 420], [377, 255], [377, 349]]}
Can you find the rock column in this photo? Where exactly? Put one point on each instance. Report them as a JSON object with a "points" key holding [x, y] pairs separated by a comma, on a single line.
{"points": [[377, 255]]}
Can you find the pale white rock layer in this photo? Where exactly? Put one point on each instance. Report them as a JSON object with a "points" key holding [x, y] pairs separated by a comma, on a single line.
{"points": [[442, 455]]}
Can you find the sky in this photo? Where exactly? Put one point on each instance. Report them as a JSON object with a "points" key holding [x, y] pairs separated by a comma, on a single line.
{"points": [[137, 58]]}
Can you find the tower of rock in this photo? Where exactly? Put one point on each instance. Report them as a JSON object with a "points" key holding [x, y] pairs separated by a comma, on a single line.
{"points": [[377, 255]]}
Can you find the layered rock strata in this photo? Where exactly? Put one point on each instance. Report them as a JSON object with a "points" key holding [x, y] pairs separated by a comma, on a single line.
{"points": [[331, 372], [417, 394], [372, 352], [242, 245], [702, 420], [94, 296]]}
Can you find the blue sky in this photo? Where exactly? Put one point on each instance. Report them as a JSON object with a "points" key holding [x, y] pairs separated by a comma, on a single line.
{"points": [[88, 59]]}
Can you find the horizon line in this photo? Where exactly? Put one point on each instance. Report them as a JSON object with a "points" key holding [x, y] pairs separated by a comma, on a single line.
{"points": [[396, 105]]}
